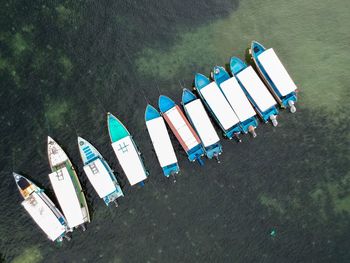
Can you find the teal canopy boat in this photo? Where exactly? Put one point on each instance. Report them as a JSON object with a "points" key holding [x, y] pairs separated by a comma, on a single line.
{"points": [[199, 118], [181, 128], [218, 106], [126, 151], [237, 99], [256, 91], [99, 173], [274, 75], [161, 141]]}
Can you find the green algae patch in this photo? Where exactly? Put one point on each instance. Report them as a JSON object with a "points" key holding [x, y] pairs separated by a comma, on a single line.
{"points": [[29, 255], [312, 47], [56, 113], [271, 203], [19, 44], [67, 66]]}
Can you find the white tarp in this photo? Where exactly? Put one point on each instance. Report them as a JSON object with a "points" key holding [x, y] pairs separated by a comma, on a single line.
{"points": [[129, 160], [65, 193], [161, 141], [43, 216], [202, 123], [219, 105], [277, 72], [181, 127], [256, 88], [99, 178], [237, 99]]}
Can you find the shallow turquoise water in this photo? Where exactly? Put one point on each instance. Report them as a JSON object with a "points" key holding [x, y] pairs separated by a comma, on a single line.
{"points": [[63, 66]]}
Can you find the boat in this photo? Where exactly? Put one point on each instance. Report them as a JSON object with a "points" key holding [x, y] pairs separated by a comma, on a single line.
{"points": [[41, 209], [237, 99], [67, 188], [255, 89], [274, 75], [218, 106], [181, 128], [161, 141], [99, 173], [199, 118], [125, 149]]}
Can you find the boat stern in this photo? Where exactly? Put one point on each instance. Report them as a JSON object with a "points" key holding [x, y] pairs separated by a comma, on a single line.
{"points": [[213, 151], [171, 169], [195, 153]]}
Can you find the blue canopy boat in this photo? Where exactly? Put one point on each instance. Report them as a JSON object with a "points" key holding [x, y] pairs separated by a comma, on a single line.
{"points": [[218, 106], [237, 99], [256, 91], [274, 75], [161, 141], [181, 128], [99, 173], [199, 118]]}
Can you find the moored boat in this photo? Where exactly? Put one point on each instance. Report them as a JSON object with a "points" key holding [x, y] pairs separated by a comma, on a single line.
{"points": [[255, 89], [99, 173], [67, 188], [181, 128], [161, 141], [274, 75], [41, 209], [237, 99], [125, 149], [218, 106], [199, 118]]}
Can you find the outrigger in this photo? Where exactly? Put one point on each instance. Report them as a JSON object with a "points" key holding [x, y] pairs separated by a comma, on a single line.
{"points": [[218, 106], [161, 141], [182, 129], [199, 118], [126, 151], [256, 91], [42, 209], [237, 99], [274, 75], [67, 188], [99, 173]]}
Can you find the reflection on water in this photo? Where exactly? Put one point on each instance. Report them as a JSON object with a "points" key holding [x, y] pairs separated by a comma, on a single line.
{"points": [[63, 66]]}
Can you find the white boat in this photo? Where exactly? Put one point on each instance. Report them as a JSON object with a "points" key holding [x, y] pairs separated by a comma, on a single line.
{"points": [[41, 209], [66, 186], [161, 141]]}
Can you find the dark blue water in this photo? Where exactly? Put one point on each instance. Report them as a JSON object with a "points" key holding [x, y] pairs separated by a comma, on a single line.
{"points": [[64, 65]]}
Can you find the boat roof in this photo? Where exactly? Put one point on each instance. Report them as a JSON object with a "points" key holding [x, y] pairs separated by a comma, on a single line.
{"points": [[129, 160], [87, 151], [187, 96], [181, 128], [277, 72], [161, 141], [55, 153], [116, 129], [237, 99], [201, 122], [165, 103], [151, 113], [256, 88], [100, 178], [43, 216], [219, 105], [67, 197]]}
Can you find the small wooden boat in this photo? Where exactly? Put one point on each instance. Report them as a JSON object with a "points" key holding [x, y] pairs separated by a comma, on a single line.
{"points": [[42, 209], [161, 141], [181, 128], [66, 185], [99, 173], [199, 118], [218, 106], [256, 91], [126, 151], [237, 99], [274, 75]]}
